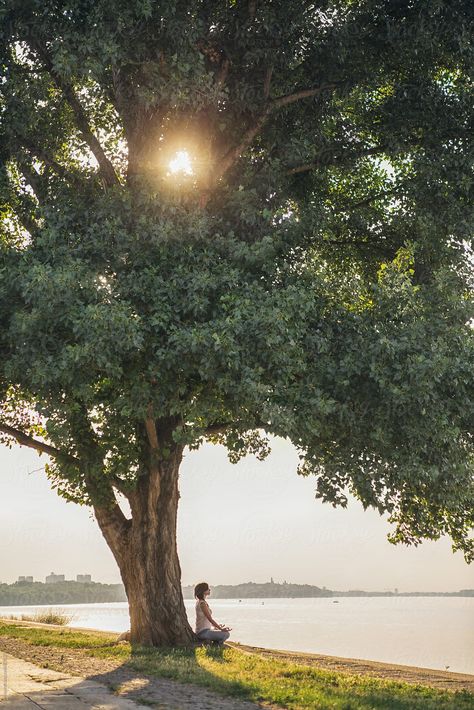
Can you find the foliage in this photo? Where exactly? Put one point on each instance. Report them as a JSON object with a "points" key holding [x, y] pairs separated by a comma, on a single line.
{"points": [[312, 279]]}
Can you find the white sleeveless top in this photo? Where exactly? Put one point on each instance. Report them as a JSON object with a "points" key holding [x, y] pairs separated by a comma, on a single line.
{"points": [[202, 622]]}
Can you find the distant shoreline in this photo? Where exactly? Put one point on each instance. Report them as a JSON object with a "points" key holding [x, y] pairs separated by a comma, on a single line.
{"points": [[69, 592]]}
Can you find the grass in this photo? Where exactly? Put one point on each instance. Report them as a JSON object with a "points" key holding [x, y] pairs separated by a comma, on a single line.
{"points": [[233, 673], [47, 616]]}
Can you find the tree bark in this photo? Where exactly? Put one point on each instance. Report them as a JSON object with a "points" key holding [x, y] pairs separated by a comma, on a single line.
{"points": [[148, 558]]}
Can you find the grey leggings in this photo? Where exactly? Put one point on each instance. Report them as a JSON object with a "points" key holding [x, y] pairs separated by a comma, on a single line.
{"points": [[213, 635]]}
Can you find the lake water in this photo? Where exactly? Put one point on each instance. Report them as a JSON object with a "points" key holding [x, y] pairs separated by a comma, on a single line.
{"points": [[431, 632]]}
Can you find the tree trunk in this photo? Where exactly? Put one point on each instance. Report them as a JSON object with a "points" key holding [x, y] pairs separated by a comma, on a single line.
{"points": [[148, 558]]}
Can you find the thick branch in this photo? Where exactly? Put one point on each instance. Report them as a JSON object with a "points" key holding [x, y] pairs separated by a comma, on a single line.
{"points": [[150, 427], [45, 158], [27, 223], [234, 153], [33, 179], [223, 72], [112, 521], [106, 168], [115, 528], [252, 8], [26, 440], [267, 82], [305, 168], [31, 176], [298, 95], [99, 485], [121, 486]]}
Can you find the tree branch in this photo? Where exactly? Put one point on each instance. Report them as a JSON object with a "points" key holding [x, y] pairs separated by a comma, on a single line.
{"points": [[45, 158], [26, 440], [234, 153], [306, 167], [298, 95], [113, 523], [27, 223], [267, 82], [115, 528], [33, 179], [223, 71], [377, 196], [119, 485], [106, 168], [221, 427], [150, 427], [252, 9]]}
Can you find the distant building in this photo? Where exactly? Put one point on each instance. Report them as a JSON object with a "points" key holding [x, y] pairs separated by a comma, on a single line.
{"points": [[28, 580], [54, 578], [83, 578]]}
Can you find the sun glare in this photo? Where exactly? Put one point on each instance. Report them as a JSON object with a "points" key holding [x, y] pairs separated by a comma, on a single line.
{"points": [[181, 163]]}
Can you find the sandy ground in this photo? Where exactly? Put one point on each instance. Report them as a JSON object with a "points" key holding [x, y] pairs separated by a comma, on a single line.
{"points": [[75, 662]]}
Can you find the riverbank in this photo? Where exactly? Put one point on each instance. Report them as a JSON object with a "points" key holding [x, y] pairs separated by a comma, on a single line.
{"points": [[429, 633], [276, 679]]}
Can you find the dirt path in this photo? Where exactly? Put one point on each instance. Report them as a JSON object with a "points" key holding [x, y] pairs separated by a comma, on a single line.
{"points": [[26, 686]]}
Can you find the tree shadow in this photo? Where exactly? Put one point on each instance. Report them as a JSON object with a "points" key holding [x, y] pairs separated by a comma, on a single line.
{"points": [[149, 677], [187, 678], [154, 676]]}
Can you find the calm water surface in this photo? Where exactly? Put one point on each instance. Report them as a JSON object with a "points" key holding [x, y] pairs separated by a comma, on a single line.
{"points": [[432, 632]]}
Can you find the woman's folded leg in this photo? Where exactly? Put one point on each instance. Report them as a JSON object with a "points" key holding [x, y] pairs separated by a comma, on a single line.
{"points": [[213, 635]]}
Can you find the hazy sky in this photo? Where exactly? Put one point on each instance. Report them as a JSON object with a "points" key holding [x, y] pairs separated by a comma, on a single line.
{"points": [[237, 523]]}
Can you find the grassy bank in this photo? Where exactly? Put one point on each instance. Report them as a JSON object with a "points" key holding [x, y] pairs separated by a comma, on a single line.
{"points": [[234, 673]]}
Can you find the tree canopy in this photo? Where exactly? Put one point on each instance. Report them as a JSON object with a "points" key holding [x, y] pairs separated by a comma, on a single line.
{"points": [[311, 278]]}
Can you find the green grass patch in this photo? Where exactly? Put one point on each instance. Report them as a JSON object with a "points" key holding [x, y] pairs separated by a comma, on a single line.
{"points": [[230, 672], [55, 637]]}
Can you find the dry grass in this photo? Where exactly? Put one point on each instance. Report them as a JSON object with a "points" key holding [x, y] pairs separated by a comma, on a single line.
{"points": [[45, 616]]}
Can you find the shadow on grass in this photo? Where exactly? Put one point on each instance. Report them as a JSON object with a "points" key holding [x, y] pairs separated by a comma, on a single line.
{"points": [[150, 675], [224, 678], [174, 676]]}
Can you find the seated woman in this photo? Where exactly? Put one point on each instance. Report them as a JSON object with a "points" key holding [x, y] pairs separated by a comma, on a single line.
{"points": [[204, 620]]}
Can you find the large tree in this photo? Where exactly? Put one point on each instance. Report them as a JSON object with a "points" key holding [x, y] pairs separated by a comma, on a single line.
{"points": [[308, 277]]}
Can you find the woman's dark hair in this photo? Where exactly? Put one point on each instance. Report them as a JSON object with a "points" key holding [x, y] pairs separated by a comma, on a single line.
{"points": [[199, 590]]}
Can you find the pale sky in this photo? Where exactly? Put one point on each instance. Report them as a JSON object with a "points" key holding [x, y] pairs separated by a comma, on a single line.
{"points": [[237, 523]]}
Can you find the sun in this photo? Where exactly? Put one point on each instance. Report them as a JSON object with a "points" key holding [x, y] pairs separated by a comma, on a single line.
{"points": [[181, 163]]}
